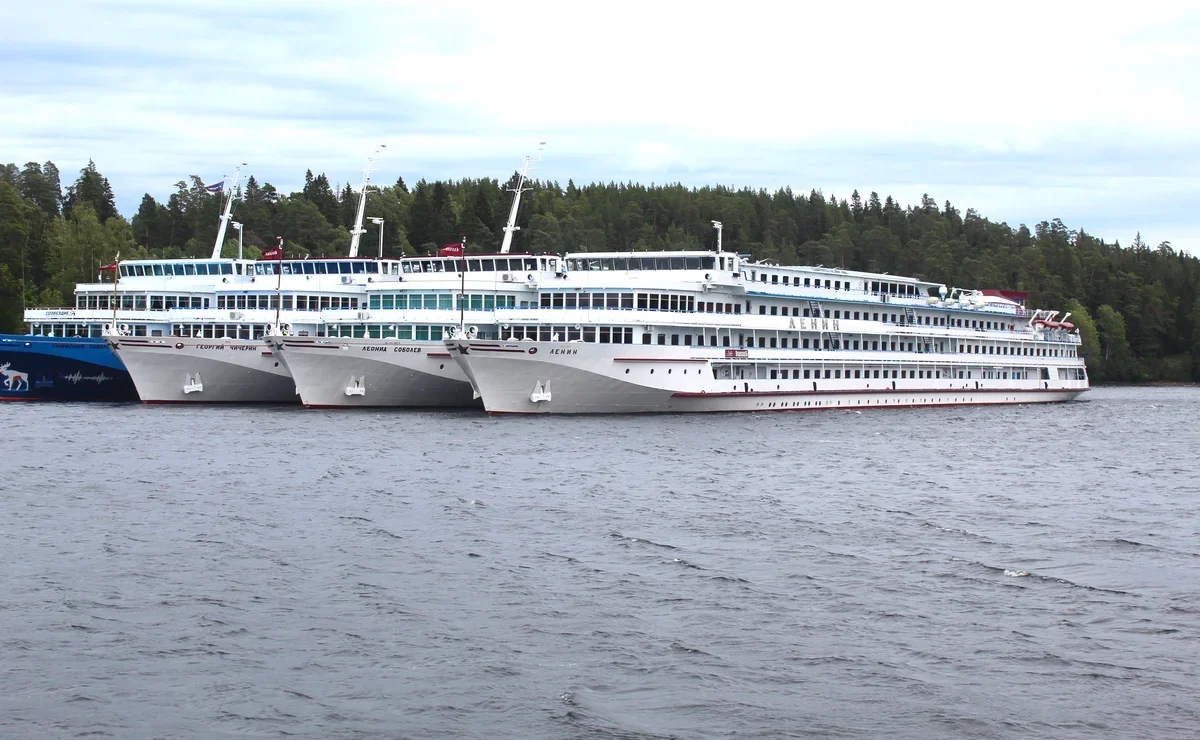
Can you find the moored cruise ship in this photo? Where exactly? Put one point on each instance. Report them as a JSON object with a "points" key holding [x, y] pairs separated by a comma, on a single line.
{"points": [[215, 352], [65, 353], [210, 348], [392, 353], [707, 331]]}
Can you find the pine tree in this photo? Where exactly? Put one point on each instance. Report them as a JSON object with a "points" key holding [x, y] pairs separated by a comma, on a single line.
{"points": [[91, 188]]}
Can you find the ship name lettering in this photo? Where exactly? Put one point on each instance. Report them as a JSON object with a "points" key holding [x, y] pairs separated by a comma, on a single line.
{"points": [[559, 351], [406, 349], [210, 346], [374, 349]]}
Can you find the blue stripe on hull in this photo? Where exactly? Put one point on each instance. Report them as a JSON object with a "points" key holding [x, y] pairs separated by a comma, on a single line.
{"points": [[61, 369]]}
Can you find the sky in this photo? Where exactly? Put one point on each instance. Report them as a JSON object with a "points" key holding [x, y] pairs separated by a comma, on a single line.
{"points": [[1024, 111]]}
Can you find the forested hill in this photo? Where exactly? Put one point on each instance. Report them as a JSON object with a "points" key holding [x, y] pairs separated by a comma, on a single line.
{"points": [[1138, 306]]}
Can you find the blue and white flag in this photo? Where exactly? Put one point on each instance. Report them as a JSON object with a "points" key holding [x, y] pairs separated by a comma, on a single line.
{"points": [[217, 188]]}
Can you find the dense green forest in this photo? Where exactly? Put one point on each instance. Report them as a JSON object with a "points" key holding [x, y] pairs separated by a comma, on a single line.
{"points": [[1138, 307]]}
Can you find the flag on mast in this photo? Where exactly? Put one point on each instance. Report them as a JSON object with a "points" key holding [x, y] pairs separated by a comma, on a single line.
{"points": [[216, 187]]}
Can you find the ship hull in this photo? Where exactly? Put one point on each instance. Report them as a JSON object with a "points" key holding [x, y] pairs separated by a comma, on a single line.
{"points": [[558, 378], [373, 373], [62, 369], [183, 370]]}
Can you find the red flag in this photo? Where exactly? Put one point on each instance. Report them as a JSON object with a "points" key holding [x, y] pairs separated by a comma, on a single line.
{"points": [[110, 267], [451, 250], [274, 253]]}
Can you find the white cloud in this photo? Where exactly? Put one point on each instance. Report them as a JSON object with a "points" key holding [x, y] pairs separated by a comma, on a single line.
{"points": [[1024, 111]]}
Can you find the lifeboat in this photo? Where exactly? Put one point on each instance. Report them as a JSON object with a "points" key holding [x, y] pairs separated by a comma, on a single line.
{"points": [[1053, 325], [1041, 322], [1067, 325]]}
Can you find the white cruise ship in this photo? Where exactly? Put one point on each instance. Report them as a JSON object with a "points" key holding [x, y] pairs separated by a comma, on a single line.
{"points": [[707, 331], [392, 352], [213, 350], [209, 347]]}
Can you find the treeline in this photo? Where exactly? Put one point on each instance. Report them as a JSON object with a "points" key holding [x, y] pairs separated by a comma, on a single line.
{"points": [[1138, 306]]}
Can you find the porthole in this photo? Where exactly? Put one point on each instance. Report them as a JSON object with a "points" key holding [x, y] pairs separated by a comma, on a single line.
{"points": [[651, 371], [626, 371], [441, 367]]}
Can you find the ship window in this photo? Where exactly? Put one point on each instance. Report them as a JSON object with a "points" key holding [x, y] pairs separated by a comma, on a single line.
{"points": [[807, 374], [662, 338], [556, 300], [827, 372], [674, 339], [687, 340], [627, 300], [762, 310]]}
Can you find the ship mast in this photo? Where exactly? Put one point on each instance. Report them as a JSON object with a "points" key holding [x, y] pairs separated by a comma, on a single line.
{"points": [[358, 229], [511, 226], [216, 253]]}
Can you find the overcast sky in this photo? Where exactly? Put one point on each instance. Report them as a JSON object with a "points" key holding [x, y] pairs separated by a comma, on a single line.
{"points": [[1089, 112]]}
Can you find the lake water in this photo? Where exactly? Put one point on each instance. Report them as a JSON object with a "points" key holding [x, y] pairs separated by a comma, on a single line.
{"points": [[244, 572]]}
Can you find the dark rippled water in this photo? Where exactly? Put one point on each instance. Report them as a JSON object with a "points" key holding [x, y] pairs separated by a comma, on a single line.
{"points": [[968, 572]]}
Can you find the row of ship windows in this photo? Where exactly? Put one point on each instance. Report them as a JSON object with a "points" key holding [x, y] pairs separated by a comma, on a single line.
{"points": [[180, 268], [688, 303], [761, 372], [627, 301], [884, 317], [427, 301], [590, 334], [843, 372], [875, 286], [622, 264], [478, 264], [270, 301], [419, 332]]}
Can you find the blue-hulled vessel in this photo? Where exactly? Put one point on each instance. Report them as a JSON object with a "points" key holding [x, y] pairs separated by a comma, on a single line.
{"points": [[39, 368]]}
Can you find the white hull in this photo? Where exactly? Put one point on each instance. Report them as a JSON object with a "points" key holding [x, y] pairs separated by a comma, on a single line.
{"points": [[187, 370], [365, 373], [583, 378]]}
